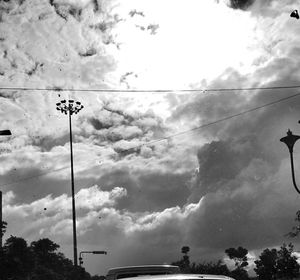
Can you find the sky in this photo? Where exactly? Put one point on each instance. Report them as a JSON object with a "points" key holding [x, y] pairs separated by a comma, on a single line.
{"points": [[143, 187]]}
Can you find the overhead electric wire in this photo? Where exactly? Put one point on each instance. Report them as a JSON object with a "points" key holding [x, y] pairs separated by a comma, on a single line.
{"points": [[174, 135], [215, 122], [58, 89], [34, 176]]}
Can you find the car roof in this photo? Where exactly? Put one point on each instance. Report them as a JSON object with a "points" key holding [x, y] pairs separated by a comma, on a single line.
{"points": [[141, 267], [180, 277]]}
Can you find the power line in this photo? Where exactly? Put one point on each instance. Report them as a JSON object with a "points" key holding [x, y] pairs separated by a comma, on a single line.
{"points": [[173, 135], [34, 176], [58, 89], [215, 122]]}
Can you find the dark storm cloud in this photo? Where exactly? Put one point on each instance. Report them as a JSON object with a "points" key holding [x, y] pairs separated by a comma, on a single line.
{"points": [[246, 198], [241, 4], [98, 124], [46, 143], [213, 158], [147, 191], [29, 184], [227, 222]]}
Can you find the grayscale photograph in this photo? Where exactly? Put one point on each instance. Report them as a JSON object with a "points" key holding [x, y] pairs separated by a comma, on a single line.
{"points": [[149, 139]]}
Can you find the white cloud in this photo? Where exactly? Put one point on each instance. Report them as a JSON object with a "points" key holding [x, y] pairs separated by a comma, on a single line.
{"points": [[54, 212]]}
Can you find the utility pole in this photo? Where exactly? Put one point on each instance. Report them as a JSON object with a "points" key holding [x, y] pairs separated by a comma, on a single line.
{"points": [[2, 133], [1, 222], [70, 108]]}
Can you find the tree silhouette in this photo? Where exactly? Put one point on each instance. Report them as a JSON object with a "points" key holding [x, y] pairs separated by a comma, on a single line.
{"points": [[239, 256], [184, 263], [18, 260], [185, 250], [39, 261], [3, 226], [212, 268], [287, 266], [296, 229], [277, 264], [266, 265]]}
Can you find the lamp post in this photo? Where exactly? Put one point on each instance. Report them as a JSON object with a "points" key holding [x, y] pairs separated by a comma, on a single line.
{"points": [[295, 14], [90, 252], [2, 133], [69, 108], [290, 141]]}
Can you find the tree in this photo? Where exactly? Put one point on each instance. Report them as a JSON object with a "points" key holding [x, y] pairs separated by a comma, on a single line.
{"points": [[295, 229], [185, 259], [3, 226], [44, 251], [185, 250], [39, 261], [287, 266], [212, 268], [239, 256], [266, 265], [18, 260], [52, 265], [184, 263], [277, 264]]}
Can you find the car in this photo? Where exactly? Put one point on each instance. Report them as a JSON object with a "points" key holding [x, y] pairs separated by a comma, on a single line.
{"points": [[182, 277], [134, 271]]}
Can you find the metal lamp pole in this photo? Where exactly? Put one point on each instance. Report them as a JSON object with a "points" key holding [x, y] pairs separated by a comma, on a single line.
{"points": [[290, 141], [2, 133], [70, 108]]}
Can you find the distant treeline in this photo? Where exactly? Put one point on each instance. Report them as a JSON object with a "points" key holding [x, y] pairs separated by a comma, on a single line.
{"points": [[270, 265], [38, 261]]}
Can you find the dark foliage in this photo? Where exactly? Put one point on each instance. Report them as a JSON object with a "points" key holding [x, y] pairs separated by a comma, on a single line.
{"points": [[239, 256], [277, 264], [287, 266], [266, 265], [202, 268], [185, 250], [218, 268], [184, 263], [3, 226], [39, 261], [296, 229]]}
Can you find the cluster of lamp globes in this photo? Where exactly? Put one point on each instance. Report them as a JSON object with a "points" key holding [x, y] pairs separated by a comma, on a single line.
{"points": [[73, 107]]}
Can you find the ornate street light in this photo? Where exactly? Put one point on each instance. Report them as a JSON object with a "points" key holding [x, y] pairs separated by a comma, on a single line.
{"points": [[69, 108], [90, 252], [295, 14], [290, 141]]}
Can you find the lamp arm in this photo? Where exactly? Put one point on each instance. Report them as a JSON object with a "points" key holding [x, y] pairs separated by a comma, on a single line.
{"points": [[293, 171]]}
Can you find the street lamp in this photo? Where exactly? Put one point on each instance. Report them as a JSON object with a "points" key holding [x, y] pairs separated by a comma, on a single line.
{"points": [[90, 252], [295, 14], [69, 108], [2, 133], [290, 141]]}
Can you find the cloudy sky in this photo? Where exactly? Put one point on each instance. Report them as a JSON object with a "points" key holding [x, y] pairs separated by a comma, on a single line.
{"points": [[144, 189]]}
